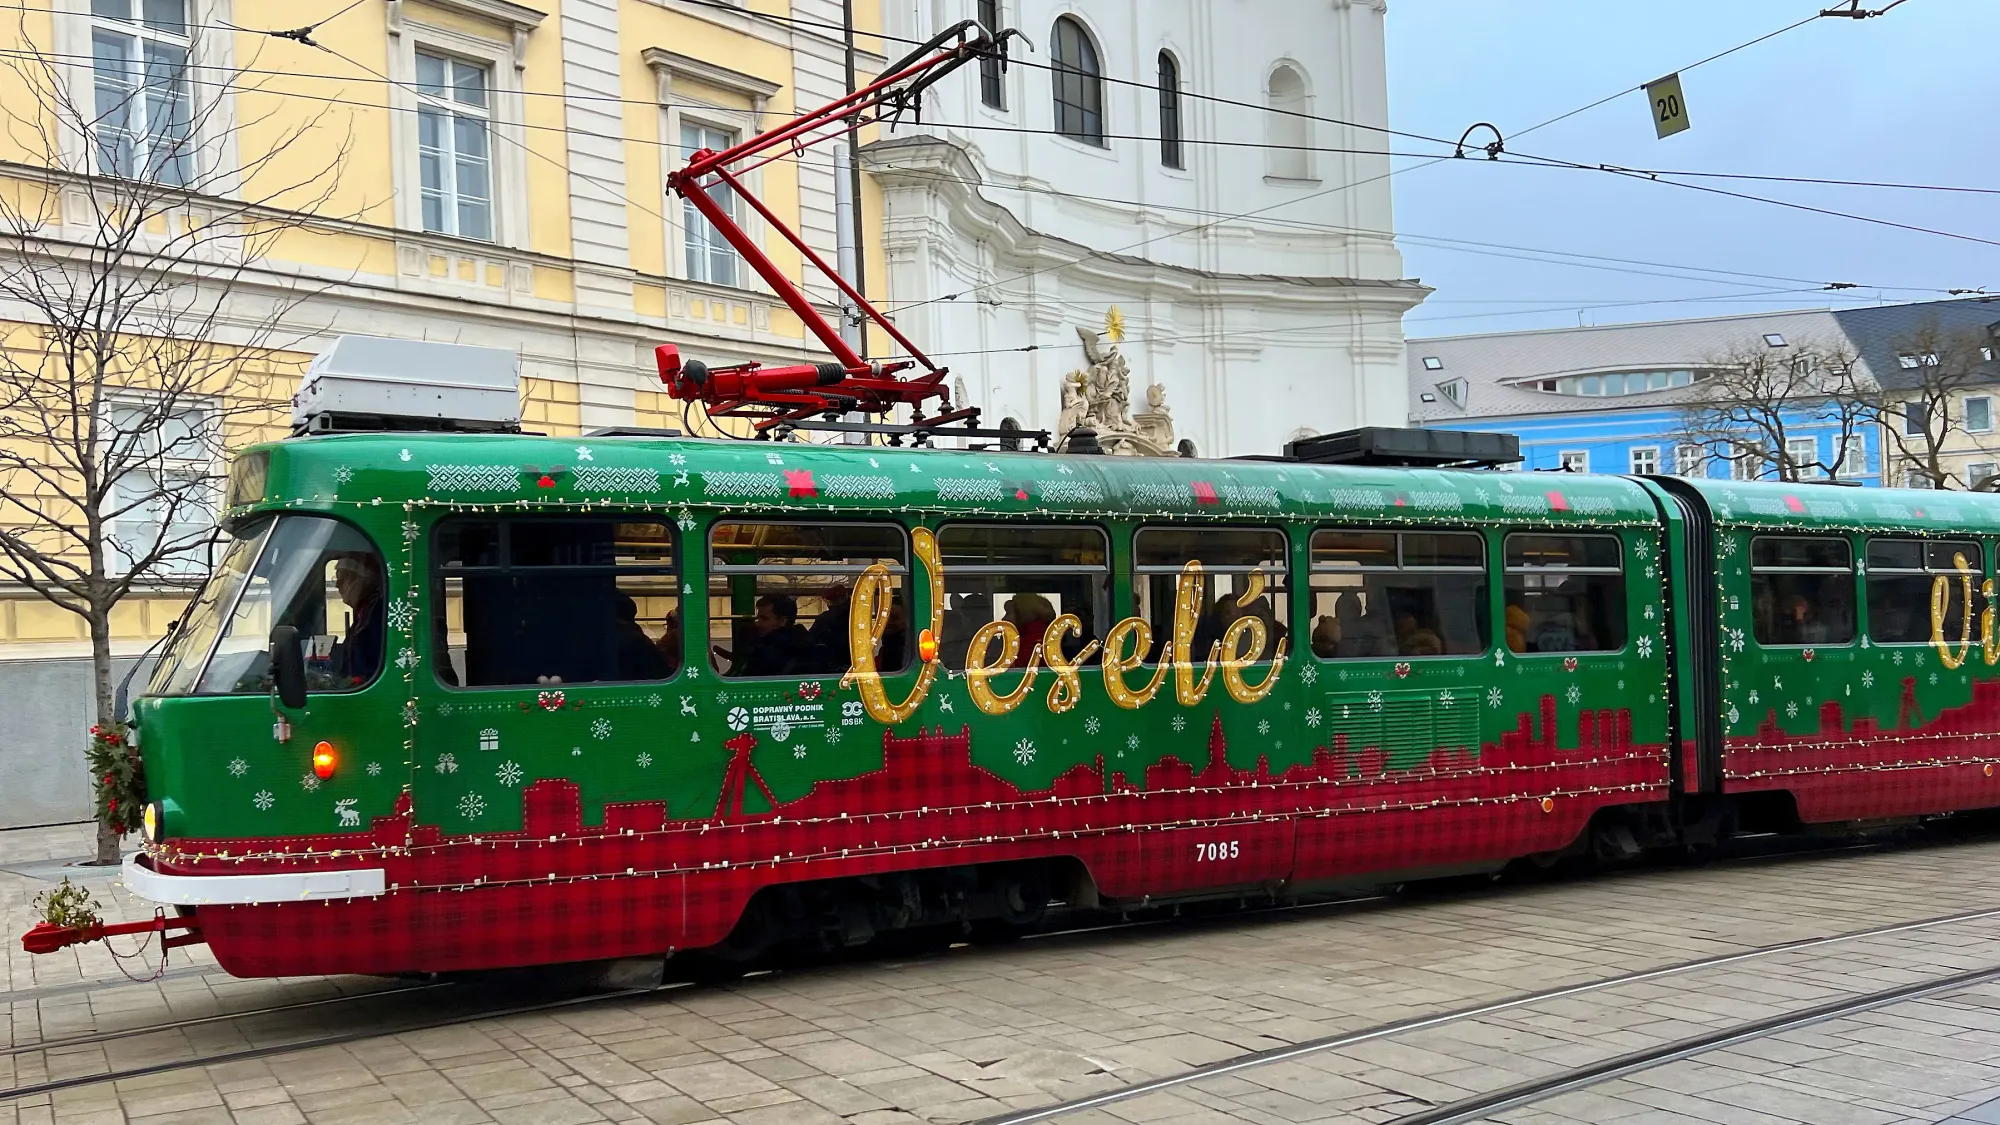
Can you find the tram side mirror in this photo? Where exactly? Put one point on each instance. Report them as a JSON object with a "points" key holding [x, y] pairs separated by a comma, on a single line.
{"points": [[288, 666]]}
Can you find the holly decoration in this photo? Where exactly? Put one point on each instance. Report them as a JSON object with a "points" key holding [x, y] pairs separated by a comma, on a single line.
{"points": [[119, 778], [68, 906]]}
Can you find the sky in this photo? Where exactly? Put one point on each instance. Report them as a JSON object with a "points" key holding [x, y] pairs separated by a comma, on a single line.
{"points": [[1908, 97]]}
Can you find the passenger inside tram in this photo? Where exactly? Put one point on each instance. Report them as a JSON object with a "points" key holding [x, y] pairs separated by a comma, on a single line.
{"points": [[358, 656], [780, 646]]}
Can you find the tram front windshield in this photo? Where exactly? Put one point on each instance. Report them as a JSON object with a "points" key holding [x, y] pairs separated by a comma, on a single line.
{"points": [[318, 575]]}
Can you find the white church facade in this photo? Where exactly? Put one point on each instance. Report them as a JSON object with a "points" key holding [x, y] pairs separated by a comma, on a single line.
{"points": [[1257, 279]]}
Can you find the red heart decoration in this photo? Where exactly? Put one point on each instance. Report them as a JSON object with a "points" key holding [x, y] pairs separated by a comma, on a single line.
{"points": [[550, 700], [809, 690], [1808, 654], [1402, 670], [1569, 663]]}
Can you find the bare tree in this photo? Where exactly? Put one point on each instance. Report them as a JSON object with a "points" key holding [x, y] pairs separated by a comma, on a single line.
{"points": [[1921, 411], [144, 329], [1756, 399]]}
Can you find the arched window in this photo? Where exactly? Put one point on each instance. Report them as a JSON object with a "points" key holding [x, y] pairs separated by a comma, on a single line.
{"points": [[1170, 111], [1288, 131], [1079, 85]]}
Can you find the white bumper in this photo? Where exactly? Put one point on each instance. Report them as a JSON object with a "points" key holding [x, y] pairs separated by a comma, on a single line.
{"points": [[222, 890]]}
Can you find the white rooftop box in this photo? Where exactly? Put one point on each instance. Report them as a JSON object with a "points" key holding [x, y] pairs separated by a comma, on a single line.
{"points": [[372, 382]]}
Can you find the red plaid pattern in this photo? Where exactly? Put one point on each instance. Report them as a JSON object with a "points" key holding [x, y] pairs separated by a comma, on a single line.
{"points": [[559, 890], [1862, 772]]}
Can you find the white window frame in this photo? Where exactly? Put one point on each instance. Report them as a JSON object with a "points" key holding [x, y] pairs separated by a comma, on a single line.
{"points": [[211, 50], [1973, 472], [1917, 478], [685, 103], [1652, 457], [1747, 461], [1581, 457], [1854, 457], [206, 464], [1969, 427], [1690, 460], [1796, 445], [506, 141]]}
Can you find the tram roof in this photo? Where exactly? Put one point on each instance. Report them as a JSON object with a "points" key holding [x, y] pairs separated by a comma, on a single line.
{"points": [[1825, 507], [761, 477]]}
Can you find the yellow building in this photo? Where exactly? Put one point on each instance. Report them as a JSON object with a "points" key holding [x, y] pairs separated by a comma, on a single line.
{"points": [[474, 171]]}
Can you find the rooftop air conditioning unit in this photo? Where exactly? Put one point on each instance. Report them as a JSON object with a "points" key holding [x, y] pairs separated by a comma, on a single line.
{"points": [[374, 383]]}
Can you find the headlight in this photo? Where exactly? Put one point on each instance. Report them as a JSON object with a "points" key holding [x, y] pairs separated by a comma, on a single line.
{"points": [[150, 822]]}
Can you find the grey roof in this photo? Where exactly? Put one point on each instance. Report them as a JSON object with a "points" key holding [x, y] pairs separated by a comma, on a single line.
{"points": [[1494, 364], [1884, 332]]}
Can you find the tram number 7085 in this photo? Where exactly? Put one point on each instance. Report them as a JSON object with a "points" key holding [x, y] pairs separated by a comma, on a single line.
{"points": [[1227, 849]]}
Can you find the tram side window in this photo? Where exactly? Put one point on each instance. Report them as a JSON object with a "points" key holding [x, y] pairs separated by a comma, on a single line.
{"points": [[1385, 593], [1565, 593], [1802, 590], [540, 600], [1228, 556], [1029, 575], [779, 596], [1901, 575]]}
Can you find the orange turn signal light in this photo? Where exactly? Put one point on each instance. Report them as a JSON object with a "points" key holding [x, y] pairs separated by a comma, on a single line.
{"points": [[927, 646], [323, 760]]}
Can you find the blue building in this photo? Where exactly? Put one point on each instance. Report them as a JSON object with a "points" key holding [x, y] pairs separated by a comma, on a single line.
{"points": [[1612, 399]]}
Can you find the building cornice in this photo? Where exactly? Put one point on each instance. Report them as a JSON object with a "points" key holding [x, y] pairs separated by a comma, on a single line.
{"points": [[667, 65], [519, 17]]}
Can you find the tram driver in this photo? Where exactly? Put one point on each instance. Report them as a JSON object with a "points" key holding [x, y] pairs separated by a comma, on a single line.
{"points": [[358, 578]]}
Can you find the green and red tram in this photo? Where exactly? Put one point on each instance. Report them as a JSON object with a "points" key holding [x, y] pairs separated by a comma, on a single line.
{"points": [[454, 702]]}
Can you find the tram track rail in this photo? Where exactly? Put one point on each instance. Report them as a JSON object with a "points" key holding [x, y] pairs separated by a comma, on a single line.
{"points": [[1578, 1077], [1759, 855]]}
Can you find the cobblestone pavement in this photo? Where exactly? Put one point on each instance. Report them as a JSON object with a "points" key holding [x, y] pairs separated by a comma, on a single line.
{"points": [[988, 1031]]}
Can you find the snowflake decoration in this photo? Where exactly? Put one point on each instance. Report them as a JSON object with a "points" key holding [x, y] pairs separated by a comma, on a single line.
{"points": [[1736, 640], [401, 615], [799, 751], [447, 763], [1621, 685], [644, 759], [583, 453], [832, 735], [601, 729], [1180, 721], [1868, 679], [509, 774], [1263, 726], [343, 474], [1729, 547], [238, 767], [374, 769], [309, 782], [1313, 717], [722, 697], [1092, 725], [654, 700], [1446, 699], [1646, 647], [1024, 751], [1375, 700], [1898, 658], [1934, 677], [471, 806], [1494, 696], [1573, 694], [263, 800], [1309, 673], [1131, 742], [409, 531], [676, 460], [406, 659], [1792, 710]]}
